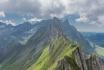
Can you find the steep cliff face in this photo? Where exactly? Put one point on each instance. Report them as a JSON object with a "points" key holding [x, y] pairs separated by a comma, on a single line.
{"points": [[80, 62], [67, 64], [93, 63]]}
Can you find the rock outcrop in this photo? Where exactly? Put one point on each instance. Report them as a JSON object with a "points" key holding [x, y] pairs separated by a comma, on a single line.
{"points": [[80, 62], [93, 63]]}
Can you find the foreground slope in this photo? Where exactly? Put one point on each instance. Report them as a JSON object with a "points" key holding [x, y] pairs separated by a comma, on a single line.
{"points": [[55, 51], [62, 54]]}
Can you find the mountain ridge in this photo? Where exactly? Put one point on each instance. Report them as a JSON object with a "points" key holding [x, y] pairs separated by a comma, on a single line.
{"points": [[24, 55]]}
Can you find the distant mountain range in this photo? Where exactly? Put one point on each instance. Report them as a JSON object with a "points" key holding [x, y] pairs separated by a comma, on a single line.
{"points": [[98, 42], [51, 44], [97, 38]]}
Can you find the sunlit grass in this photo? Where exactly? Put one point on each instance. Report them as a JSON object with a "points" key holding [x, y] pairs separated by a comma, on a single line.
{"points": [[50, 57]]}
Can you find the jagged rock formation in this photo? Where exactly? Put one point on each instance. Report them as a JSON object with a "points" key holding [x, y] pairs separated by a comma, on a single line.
{"points": [[80, 62], [67, 64], [80, 59], [93, 63]]}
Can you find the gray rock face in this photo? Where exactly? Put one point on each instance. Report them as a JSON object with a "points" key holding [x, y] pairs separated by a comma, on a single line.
{"points": [[80, 62], [93, 63], [67, 64], [80, 59], [102, 66]]}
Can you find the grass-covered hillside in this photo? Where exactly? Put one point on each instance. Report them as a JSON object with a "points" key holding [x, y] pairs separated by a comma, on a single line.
{"points": [[54, 52]]}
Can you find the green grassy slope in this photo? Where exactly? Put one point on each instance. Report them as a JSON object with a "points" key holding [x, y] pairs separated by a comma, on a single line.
{"points": [[99, 51], [46, 58], [55, 51]]}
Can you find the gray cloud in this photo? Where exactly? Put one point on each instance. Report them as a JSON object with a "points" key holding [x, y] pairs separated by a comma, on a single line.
{"points": [[22, 7], [93, 9], [32, 8]]}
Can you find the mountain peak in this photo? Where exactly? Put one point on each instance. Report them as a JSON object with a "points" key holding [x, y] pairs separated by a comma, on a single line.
{"points": [[55, 18]]}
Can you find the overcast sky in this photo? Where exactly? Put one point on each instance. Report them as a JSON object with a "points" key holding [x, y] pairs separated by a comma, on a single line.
{"points": [[91, 11]]}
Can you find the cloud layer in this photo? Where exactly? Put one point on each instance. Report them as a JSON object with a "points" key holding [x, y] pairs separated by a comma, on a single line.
{"points": [[47, 8], [2, 14], [90, 11]]}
